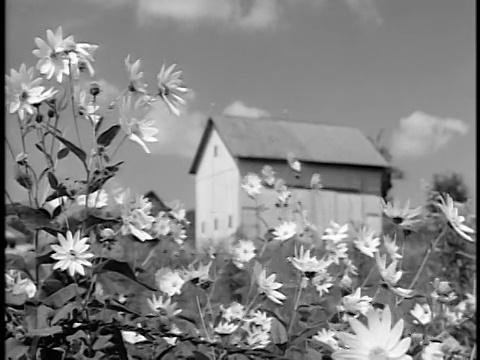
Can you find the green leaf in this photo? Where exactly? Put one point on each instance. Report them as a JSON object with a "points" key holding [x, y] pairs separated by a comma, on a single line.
{"points": [[278, 332], [15, 300], [60, 297], [52, 180], [199, 356], [31, 218], [46, 331], [62, 153], [313, 354], [65, 312], [14, 349], [102, 342], [73, 148], [121, 268], [108, 135]]}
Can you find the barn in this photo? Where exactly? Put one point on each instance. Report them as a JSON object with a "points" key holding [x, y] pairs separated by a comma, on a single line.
{"points": [[350, 167]]}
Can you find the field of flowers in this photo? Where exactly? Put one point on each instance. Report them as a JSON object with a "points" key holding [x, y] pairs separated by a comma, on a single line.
{"points": [[111, 277]]}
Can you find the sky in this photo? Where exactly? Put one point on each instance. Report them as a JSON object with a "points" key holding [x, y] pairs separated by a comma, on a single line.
{"points": [[406, 68]]}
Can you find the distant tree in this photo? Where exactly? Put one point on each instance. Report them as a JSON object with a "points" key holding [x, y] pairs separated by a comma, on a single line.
{"points": [[391, 173], [456, 255], [450, 183]]}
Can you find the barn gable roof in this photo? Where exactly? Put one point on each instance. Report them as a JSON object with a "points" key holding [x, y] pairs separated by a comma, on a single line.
{"points": [[265, 138]]}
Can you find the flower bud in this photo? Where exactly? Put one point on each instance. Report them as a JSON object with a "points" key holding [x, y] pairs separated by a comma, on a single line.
{"points": [[21, 159], [39, 118], [94, 89], [24, 179], [50, 113]]}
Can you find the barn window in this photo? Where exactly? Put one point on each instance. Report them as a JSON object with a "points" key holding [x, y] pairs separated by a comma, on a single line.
{"points": [[215, 151], [230, 221], [215, 224]]}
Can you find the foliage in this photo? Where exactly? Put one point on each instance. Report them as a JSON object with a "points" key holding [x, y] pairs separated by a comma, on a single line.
{"points": [[111, 276]]}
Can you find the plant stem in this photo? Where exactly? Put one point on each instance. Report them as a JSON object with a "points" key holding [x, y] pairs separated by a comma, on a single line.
{"points": [[425, 258], [10, 148], [297, 300], [72, 97], [474, 351], [118, 146], [369, 275], [201, 316]]}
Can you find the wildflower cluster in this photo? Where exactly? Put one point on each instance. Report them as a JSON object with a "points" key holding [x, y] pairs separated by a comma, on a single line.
{"points": [[112, 274]]}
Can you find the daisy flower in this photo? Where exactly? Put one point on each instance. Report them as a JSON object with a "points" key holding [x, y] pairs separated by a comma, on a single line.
{"points": [[72, 253], [132, 337], [422, 314], [401, 216], [235, 311], [135, 76], [433, 351], [197, 276], [315, 182], [367, 241], [268, 286], [268, 175], [389, 274], [170, 282], [97, 199], [327, 337], [225, 328], [455, 220], [285, 231], [136, 216], [443, 291], [178, 232], [258, 319], [81, 58], [355, 303], [177, 210], [163, 307], [134, 122], [257, 338], [171, 88], [336, 251], [23, 91], [322, 282], [53, 60], [391, 247], [252, 184], [243, 252], [377, 341], [86, 107], [18, 286], [161, 225], [307, 264], [335, 232], [172, 340], [294, 163]]}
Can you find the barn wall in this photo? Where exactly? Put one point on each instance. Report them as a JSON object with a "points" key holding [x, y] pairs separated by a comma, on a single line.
{"points": [[334, 177], [217, 185], [322, 206]]}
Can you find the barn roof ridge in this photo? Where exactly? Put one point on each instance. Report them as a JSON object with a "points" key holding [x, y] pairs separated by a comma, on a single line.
{"points": [[273, 138]]}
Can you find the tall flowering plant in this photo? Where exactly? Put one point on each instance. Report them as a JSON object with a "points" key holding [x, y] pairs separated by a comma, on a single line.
{"points": [[113, 276]]}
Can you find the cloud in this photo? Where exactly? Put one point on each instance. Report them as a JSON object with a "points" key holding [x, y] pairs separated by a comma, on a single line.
{"points": [[238, 108], [178, 136], [422, 134], [245, 15], [366, 9]]}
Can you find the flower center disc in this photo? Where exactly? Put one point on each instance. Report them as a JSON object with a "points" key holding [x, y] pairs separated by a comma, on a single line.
{"points": [[377, 354]]}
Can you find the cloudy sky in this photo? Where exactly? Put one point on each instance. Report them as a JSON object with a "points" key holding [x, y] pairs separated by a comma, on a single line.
{"points": [[405, 67]]}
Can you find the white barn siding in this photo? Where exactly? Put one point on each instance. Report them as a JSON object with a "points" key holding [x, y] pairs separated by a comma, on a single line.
{"points": [[322, 207], [216, 187]]}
